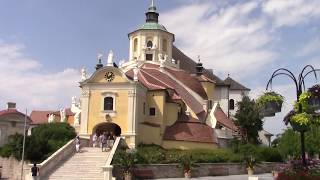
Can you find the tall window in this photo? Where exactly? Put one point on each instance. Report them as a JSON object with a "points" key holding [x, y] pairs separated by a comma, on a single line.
{"points": [[135, 45], [152, 111], [210, 104], [149, 44], [231, 104], [108, 103], [164, 45]]}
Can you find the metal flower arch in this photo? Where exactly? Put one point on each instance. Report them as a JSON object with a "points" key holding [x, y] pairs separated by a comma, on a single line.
{"points": [[300, 87]]}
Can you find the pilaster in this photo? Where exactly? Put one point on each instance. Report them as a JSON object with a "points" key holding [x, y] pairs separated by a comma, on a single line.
{"points": [[85, 97]]}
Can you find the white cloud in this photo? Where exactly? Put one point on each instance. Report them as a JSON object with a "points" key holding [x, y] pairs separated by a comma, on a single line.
{"points": [[291, 12], [310, 47], [22, 81], [228, 39]]}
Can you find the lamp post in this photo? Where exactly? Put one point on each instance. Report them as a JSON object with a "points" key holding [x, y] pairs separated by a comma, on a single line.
{"points": [[300, 87], [24, 143]]}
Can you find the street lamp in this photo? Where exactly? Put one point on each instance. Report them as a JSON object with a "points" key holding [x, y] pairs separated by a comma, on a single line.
{"points": [[300, 87]]}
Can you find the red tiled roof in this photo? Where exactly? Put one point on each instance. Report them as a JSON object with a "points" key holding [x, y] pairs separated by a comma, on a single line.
{"points": [[234, 85], [68, 112], [12, 111], [153, 78], [189, 81], [40, 117], [223, 119], [190, 129]]}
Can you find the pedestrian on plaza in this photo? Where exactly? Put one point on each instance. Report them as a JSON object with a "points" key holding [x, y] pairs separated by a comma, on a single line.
{"points": [[104, 142], [100, 139], [77, 144], [35, 172], [94, 140], [111, 141]]}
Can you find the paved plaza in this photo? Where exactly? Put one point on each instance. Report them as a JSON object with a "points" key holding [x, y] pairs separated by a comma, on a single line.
{"points": [[233, 177]]}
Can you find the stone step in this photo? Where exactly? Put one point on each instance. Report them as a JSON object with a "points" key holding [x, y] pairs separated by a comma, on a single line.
{"points": [[85, 165]]}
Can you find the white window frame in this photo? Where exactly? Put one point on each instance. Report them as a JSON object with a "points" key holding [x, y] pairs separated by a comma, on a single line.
{"points": [[109, 94]]}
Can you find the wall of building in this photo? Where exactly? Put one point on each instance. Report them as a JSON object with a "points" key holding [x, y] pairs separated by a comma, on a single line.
{"points": [[10, 125], [168, 144], [236, 95], [97, 115], [149, 135], [221, 96], [11, 168]]}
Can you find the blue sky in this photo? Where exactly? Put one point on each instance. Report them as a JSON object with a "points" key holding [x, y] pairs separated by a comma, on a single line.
{"points": [[44, 44]]}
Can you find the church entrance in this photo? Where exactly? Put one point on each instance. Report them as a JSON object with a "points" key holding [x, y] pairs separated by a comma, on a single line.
{"points": [[107, 127]]}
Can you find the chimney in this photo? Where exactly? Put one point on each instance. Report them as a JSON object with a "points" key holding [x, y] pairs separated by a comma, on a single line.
{"points": [[11, 105]]}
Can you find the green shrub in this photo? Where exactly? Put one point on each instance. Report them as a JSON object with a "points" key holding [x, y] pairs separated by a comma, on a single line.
{"points": [[269, 154], [45, 140]]}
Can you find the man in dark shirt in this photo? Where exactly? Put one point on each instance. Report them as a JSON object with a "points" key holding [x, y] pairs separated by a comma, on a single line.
{"points": [[34, 171]]}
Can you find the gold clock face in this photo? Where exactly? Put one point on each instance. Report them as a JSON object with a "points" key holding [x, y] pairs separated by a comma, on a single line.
{"points": [[109, 76]]}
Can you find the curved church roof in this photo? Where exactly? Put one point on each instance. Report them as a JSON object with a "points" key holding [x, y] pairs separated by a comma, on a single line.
{"points": [[152, 26]]}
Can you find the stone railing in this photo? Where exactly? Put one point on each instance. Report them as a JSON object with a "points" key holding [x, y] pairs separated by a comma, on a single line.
{"points": [[53, 161], [107, 168]]}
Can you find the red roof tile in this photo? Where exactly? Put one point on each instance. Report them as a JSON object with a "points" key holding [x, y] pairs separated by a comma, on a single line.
{"points": [[223, 119], [190, 129], [11, 111], [153, 78], [40, 117]]}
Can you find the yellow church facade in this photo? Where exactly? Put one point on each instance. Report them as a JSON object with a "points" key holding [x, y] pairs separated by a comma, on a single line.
{"points": [[159, 96]]}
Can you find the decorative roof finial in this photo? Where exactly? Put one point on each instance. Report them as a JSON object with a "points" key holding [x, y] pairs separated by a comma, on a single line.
{"points": [[198, 58], [199, 67], [99, 65], [152, 3]]}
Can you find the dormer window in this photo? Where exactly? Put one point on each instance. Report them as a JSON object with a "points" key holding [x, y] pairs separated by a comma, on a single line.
{"points": [[149, 44]]}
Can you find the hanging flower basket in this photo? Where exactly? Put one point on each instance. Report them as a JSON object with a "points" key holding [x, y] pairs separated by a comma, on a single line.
{"points": [[270, 103], [314, 100], [301, 122]]}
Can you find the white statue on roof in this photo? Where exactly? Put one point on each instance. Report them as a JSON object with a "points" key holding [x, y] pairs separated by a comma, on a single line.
{"points": [[76, 109], [83, 74], [63, 116], [110, 58], [51, 118], [135, 73]]}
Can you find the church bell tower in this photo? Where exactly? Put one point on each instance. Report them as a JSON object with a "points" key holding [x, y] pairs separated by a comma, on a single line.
{"points": [[151, 42]]}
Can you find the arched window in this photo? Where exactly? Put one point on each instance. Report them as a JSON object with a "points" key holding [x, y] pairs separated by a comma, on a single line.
{"points": [[231, 104], [108, 104], [164, 45], [149, 44], [135, 45]]}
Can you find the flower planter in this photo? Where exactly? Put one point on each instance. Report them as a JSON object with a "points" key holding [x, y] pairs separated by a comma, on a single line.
{"points": [[187, 174], [270, 108], [298, 127], [250, 171], [314, 103], [270, 103]]}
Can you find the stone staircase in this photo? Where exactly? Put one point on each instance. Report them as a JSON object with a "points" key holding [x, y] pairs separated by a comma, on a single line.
{"points": [[85, 165]]}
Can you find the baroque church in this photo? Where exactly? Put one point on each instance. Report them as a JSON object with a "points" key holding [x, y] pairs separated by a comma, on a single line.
{"points": [[159, 96]]}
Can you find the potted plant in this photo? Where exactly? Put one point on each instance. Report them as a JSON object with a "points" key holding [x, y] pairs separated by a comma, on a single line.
{"points": [[126, 159], [300, 122], [314, 100], [186, 163], [270, 103], [250, 163]]}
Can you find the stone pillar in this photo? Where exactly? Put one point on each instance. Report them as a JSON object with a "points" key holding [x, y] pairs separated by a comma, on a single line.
{"points": [[132, 114], [85, 96]]}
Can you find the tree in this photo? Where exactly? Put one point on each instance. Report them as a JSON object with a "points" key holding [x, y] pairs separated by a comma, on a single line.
{"points": [[248, 118]]}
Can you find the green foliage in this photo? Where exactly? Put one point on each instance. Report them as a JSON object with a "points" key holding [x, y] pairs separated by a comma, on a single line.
{"points": [[45, 140], [153, 154], [126, 159], [249, 119], [187, 163], [270, 97], [303, 102], [289, 142], [301, 121]]}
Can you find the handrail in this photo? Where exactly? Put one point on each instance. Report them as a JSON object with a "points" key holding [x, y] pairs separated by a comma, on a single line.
{"points": [[107, 168], [54, 158]]}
